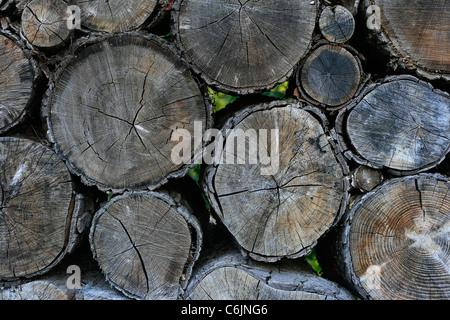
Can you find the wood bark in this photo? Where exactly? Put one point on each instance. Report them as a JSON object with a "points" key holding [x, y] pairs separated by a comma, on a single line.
{"points": [[330, 76], [229, 276], [284, 213], [337, 24], [399, 123], [414, 33], [146, 244], [18, 74], [240, 46], [393, 243], [42, 218], [119, 16], [44, 23], [114, 107]]}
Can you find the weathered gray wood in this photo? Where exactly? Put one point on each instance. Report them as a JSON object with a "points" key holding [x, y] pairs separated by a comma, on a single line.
{"points": [[146, 244], [118, 15], [351, 5], [415, 33], [41, 217], [229, 276], [330, 76], [44, 23], [366, 178], [399, 123], [394, 242], [284, 213], [336, 24], [114, 107], [244, 46], [18, 74]]}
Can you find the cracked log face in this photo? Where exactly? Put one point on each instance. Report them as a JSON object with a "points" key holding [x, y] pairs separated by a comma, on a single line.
{"points": [[114, 108], [115, 15], [17, 75], [231, 277], [399, 239], [336, 24], [284, 212], [245, 46], [144, 242], [36, 208], [401, 124], [44, 23], [418, 36]]}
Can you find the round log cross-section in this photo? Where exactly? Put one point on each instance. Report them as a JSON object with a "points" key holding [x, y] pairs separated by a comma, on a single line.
{"points": [[416, 33], [145, 244], [44, 23], [245, 46], [39, 209], [400, 123], [397, 240], [17, 77], [330, 76], [337, 24], [284, 211], [114, 108]]}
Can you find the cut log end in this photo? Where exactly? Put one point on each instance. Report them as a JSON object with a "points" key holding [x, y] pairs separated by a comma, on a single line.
{"points": [[284, 212], [44, 23], [337, 24], [115, 124], [145, 244], [398, 239], [238, 46], [330, 76]]}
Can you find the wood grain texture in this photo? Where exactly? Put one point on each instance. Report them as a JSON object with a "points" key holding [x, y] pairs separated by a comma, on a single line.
{"points": [[283, 214], [398, 236], [146, 244], [330, 76], [116, 15], [336, 24], [17, 79], [114, 108], [227, 276], [44, 23], [39, 210], [417, 34], [399, 123], [244, 46]]}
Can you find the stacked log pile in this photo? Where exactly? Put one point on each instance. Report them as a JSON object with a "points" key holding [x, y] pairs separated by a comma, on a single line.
{"points": [[116, 161]]}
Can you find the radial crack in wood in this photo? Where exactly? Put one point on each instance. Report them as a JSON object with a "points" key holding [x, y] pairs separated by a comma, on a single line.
{"points": [[398, 236], [399, 123], [284, 212], [336, 24], [244, 46], [146, 244], [115, 127]]}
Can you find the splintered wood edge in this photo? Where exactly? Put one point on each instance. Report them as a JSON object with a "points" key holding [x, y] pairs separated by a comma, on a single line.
{"points": [[207, 179], [222, 87], [71, 56], [191, 221], [37, 73], [344, 232], [342, 138]]}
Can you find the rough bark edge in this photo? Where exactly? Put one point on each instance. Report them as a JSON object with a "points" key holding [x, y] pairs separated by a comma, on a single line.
{"points": [[220, 86], [48, 95], [284, 275], [37, 74], [183, 211], [79, 215], [348, 150], [363, 77], [399, 59], [207, 179], [342, 249]]}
